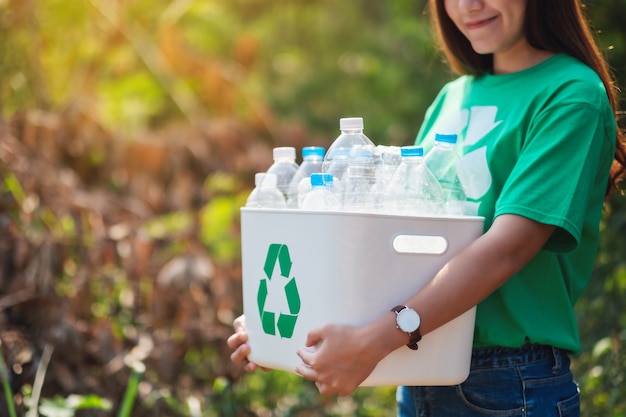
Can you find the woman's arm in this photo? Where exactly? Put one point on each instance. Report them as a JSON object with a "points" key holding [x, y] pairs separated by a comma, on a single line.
{"points": [[345, 355]]}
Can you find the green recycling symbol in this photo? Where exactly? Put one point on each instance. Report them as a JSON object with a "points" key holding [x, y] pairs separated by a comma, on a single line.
{"points": [[278, 261]]}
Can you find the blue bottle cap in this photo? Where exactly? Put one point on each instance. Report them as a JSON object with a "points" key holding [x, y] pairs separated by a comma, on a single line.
{"points": [[446, 137], [411, 151], [313, 151], [319, 179]]}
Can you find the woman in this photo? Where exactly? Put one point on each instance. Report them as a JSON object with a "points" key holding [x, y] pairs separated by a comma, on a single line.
{"points": [[534, 110]]}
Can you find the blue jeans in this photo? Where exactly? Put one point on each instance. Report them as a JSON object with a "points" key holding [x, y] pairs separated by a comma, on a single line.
{"points": [[531, 381]]}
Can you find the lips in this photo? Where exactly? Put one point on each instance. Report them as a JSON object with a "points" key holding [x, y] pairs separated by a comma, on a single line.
{"points": [[477, 24]]}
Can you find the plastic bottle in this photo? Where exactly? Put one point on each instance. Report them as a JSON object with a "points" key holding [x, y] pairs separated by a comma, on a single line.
{"points": [[265, 194], [284, 167], [389, 161], [321, 197], [312, 158], [253, 197], [414, 190], [360, 178], [442, 160], [304, 188], [336, 159]]}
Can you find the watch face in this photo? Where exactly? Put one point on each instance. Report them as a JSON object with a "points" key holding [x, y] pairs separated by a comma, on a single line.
{"points": [[408, 320]]}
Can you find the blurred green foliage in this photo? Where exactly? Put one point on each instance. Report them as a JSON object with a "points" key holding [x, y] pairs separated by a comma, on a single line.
{"points": [[146, 64], [280, 394]]}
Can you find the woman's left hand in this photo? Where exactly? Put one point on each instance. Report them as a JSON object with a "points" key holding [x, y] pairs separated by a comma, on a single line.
{"points": [[338, 358]]}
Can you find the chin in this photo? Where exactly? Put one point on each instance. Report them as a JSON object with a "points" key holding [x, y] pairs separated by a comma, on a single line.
{"points": [[482, 50]]}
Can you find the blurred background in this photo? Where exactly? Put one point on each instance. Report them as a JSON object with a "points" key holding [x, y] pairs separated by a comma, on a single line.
{"points": [[130, 132]]}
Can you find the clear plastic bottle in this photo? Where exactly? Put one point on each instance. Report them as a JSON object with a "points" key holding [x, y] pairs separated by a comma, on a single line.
{"points": [[304, 188], [390, 159], [284, 167], [443, 160], [336, 159], [265, 194], [321, 197], [359, 179], [253, 197], [312, 159], [414, 190]]}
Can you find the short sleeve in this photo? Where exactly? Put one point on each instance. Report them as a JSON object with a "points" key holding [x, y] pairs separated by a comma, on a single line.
{"points": [[561, 168]]}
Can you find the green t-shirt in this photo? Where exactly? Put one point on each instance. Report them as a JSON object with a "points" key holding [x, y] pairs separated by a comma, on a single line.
{"points": [[538, 143]]}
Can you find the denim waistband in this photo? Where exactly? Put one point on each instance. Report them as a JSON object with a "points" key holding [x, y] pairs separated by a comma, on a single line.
{"points": [[503, 356]]}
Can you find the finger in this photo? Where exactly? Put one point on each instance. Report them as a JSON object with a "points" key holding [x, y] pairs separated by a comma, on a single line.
{"points": [[305, 369], [320, 387], [250, 366], [307, 355], [240, 355], [240, 324], [237, 339], [326, 389], [306, 372], [313, 337]]}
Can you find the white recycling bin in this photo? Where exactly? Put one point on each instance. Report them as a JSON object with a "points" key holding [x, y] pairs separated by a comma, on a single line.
{"points": [[302, 269]]}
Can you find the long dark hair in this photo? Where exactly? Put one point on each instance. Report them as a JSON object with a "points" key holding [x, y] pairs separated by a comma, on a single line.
{"points": [[558, 26]]}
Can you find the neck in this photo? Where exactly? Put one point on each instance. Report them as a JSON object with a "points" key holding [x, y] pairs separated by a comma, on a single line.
{"points": [[518, 59]]}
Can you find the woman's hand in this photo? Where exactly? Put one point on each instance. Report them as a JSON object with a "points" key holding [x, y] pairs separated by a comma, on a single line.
{"points": [[339, 358], [238, 342]]}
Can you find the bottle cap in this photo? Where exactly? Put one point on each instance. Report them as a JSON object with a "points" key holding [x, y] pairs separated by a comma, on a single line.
{"points": [[258, 178], [351, 123], [284, 152], [446, 137], [313, 151], [412, 151], [319, 179], [269, 180]]}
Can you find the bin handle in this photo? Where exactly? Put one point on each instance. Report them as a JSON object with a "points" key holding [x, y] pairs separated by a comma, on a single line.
{"points": [[420, 244]]}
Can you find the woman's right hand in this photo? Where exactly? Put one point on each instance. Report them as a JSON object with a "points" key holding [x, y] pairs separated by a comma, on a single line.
{"points": [[238, 341]]}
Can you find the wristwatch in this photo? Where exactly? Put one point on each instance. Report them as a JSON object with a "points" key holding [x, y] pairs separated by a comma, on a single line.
{"points": [[408, 320]]}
